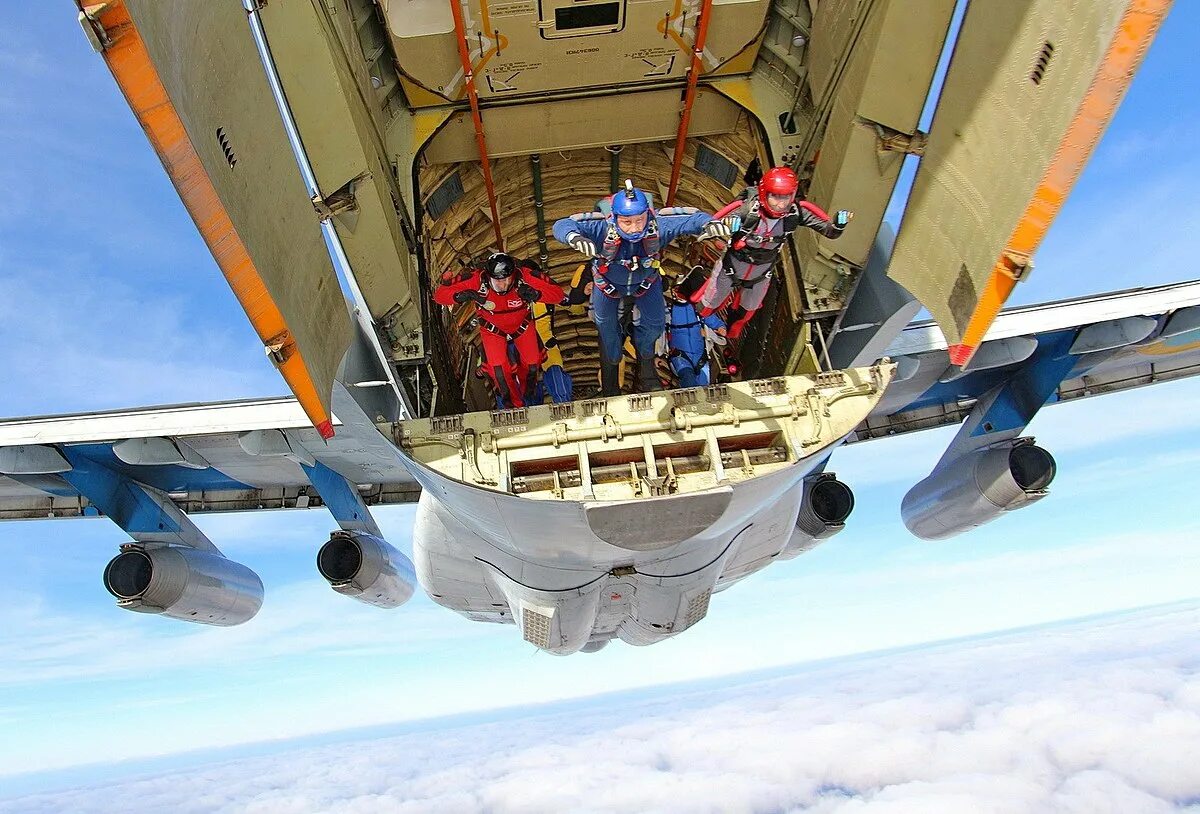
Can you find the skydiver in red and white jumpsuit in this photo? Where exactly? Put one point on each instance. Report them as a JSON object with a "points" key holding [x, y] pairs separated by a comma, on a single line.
{"points": [[762, 221]]}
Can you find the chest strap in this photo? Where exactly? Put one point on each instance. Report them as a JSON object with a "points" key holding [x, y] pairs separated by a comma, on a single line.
{"points": [[614, 291], [485, 325]]}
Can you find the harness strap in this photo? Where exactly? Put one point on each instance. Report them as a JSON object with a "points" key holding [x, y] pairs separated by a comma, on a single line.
{"points": [[696, 366], [750, 282], [751, 215], [484, 325], [755, 255], [611, 290], [744, 282], [612, 239]]}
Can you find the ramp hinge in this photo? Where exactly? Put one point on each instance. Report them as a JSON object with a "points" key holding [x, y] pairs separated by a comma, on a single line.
{"points": [[93, 29], [280, 347], [339, 201], [897, 141], [1016, 265]]}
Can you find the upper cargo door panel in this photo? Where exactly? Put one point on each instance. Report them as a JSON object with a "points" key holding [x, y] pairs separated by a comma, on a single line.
{"points": [[1031, 86], [527, 47], [192, 74]]}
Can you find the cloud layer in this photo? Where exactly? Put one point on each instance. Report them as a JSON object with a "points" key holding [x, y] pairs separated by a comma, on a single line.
{"points": [[1093, 716]]}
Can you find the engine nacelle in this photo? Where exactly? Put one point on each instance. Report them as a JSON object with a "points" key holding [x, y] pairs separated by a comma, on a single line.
{"points": [[367, 568], [184, 583], [823, 511], [976, 488]]}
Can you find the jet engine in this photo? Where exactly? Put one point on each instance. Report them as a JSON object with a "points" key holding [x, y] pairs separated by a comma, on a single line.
{"points": [[823, 511], [367, 568], [184, 583], [976, 488]]}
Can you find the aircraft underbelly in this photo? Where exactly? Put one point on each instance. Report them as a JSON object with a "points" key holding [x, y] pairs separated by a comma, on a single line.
{"points": [[636, 557]]}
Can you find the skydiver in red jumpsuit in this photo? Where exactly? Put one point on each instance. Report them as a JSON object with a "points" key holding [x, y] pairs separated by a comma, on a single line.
{"points": [[502, 292]]}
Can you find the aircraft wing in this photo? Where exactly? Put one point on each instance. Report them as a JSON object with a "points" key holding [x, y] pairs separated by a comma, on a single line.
{"points": [[244, 455], [1033, 356], [230, 456], [1039, 354]]}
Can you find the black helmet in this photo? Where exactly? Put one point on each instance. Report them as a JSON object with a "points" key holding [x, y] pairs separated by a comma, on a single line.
{"points": [[500, 266]]}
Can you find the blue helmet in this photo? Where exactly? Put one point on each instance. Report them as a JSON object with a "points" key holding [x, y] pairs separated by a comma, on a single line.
{"points": [[630, 202]]}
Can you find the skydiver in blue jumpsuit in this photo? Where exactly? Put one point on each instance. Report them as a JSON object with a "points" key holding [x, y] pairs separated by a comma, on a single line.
{"points": [[689, 353], [625, 248]]}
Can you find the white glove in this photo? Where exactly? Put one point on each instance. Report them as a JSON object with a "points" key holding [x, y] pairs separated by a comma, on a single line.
{"points": [[715, 229], [581, 244]]}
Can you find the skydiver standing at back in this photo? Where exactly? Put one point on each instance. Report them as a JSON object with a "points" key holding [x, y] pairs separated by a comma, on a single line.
{"points": [[761, 225], [688, 356], [625, 248]]}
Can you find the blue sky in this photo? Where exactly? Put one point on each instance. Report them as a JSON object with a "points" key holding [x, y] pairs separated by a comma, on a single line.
{"points": [[108, 298]]}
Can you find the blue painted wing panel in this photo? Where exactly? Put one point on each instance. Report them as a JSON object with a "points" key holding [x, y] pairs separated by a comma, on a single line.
{"points": [[1053, 373]]}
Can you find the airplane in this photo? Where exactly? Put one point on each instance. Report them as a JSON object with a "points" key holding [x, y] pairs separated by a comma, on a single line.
{"points": [[337, 157]]}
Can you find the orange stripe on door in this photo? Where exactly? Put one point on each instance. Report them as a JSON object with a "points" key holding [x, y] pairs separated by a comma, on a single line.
{"points": [[1135, 31], [128, 59]]}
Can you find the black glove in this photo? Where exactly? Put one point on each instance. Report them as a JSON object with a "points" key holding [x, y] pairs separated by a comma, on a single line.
{"points": [[581, 244], [470, 295], [528, 293], [566, 300], [578, 295]]}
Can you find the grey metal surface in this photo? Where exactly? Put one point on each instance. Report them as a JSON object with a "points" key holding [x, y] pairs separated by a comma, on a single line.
{"points": [[217, 86], [877, 311], [976, 488], [183, 583], [994, 133], [367, 568]]}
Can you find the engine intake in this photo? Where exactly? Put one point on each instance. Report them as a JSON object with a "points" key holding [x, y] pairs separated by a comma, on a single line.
{"points": [[827, 504], [184, 583], [366, 568], [976, 488]]}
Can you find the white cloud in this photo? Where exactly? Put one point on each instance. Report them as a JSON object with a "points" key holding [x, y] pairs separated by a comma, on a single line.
{"points": [[1096, 716]]}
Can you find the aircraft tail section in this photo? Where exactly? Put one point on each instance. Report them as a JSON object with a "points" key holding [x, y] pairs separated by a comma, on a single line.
{"points": [[194, 79], [1031, 88]]}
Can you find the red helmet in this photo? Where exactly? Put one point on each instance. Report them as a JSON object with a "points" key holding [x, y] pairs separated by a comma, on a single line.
{"points": [[776, 181]]}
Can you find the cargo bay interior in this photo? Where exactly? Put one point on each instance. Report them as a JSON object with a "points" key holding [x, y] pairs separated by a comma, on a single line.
{"points": [[575, 95]]}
